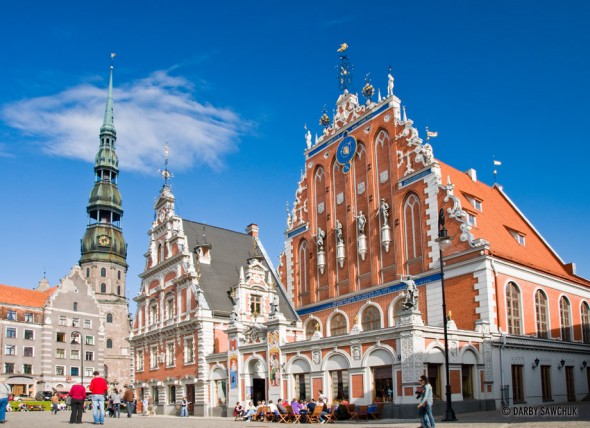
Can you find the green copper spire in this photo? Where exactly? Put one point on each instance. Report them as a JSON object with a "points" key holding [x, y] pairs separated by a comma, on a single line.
{"points": [[103, 240]]}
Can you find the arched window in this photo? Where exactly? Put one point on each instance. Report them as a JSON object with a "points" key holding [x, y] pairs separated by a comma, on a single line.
{"points": [[109, 318], [412, 228], [566, 319], [311, 328], [119, 275], [338, 325], [103, 288], [371, 319], [87, 272], [118, 290], [513, 308], [103, 273], [541, 314], [169, 311], [585, 322], [160, 253], [303, 280], [109, 344]]}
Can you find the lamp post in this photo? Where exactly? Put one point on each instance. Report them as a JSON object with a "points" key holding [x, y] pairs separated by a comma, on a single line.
{"points": [[444, 241], [74, 336]]}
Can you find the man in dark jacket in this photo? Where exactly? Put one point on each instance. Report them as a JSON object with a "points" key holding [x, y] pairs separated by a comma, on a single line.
{"points": [[129, 399]]}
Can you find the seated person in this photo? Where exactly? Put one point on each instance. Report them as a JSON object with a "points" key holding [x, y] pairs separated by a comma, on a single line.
{"points": [[281, 407], [238, 410], [250, 411]]}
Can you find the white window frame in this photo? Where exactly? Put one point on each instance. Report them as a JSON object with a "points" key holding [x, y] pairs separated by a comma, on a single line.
{"points": [[32, 348], [139, 360], [29, 317], [88, 371], [63, 370], [88, 324], [170, 353], [87, 353], [11, 316], [62, 320], [89, 340], [11, 329], [153, 357], [76, 352], [76, 322], [10, 347], [62, 353], [25, 334], [189, 351]]}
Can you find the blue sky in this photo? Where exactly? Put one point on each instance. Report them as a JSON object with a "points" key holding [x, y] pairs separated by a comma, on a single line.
{"points": [[231, 86]]}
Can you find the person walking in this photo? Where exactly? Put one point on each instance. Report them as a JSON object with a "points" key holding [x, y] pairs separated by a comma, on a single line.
{"points": [[425, 405], [4, 393], [116, 402], [129, 399], [145, 403], [98, 387], [77, 396], [184, 408], [54, 403]]}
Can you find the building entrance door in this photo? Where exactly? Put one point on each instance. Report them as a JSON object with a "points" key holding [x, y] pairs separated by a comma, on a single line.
{"points": [[258, 390], [190, 397], [569, 382]]}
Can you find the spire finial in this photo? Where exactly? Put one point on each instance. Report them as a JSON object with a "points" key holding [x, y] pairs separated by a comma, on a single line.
{"points": [[108, 124], [344, 69], [165, 173]]}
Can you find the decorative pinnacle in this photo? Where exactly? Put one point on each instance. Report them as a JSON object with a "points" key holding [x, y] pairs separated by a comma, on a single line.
{"points": [[108, 124], [165, 173], [344, 69]]}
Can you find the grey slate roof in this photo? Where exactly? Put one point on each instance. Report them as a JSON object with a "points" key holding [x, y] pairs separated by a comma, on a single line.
{"points": [[229, 251]]}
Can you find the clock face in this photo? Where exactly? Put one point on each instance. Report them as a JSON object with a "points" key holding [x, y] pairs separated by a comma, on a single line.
{"points": [[346, 151], [104, 241]]}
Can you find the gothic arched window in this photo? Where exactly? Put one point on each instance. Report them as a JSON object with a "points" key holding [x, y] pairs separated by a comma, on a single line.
{"points": [[118, 290], [103, 288], [303, 280], [109, 318], [338, 325], [541, 314], [103, 273], [412, 228], [371, 319], [513, 308], [566, 319], [109, 344]]}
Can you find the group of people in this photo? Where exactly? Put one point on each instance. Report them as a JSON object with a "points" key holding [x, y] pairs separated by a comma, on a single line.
{"points": [[303, 408]]}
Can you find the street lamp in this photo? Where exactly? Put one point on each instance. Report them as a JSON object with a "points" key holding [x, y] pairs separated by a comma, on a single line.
{"points": [[444, 242], [75, 335]]}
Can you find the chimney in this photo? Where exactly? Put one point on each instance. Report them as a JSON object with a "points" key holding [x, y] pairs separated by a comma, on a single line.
{"points": [[472, 174], [570, 268], [252, 230]]}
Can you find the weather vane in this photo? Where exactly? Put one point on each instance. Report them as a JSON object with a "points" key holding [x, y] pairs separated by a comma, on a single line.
{"points": [[368, 89], [165, 173], [344, 69]]}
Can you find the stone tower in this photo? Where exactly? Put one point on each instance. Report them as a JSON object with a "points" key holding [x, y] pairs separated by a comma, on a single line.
{"points": [[104, 251]]}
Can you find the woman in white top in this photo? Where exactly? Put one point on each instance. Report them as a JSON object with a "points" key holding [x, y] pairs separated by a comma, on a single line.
{"points": [[425, 405]]}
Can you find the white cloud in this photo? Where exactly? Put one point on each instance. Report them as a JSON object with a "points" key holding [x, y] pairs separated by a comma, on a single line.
{"points": [[148, 113]]}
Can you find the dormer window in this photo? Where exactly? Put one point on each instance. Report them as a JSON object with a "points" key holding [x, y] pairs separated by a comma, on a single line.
{"points": [[255, 304], [475, 203], [471, 219], [518, 236]]}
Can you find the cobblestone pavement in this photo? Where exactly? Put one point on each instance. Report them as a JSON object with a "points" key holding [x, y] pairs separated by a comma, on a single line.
{"points": [[522, 416]]}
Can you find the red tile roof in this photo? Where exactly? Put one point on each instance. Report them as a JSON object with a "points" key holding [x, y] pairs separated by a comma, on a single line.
{"points": [[22, 297], [498, 216]]}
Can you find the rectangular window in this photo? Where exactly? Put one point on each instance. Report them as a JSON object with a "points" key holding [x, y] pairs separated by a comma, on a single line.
{"points": [[8, 367], [11, 315], [546, 383], [11, 332], [172, 394], [139, 361], [87, 324], [339, 381], [189, 356], [89, 340], [28, 351], [74, 371], [75, 322], [60, 370], [255, 306], [471, 220], [60, 337], [29, 335], [154, 358], [27, 368], [10, 350], [89, 356], [29, 317], [219, 389], [88, 371], [517, 384], [75, 307], [62, 320], [75, 354], [170, 354], [60, 353]]}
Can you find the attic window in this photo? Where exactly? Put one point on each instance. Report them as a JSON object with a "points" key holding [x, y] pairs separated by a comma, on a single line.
{"points": [[476, 203], [471, 219], [518, 236]]}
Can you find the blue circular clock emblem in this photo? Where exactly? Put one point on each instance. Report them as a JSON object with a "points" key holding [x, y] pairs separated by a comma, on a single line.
{"points": [[345, 152]]}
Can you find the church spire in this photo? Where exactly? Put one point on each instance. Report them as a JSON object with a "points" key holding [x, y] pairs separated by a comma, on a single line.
{"points": [[103, 240]]}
